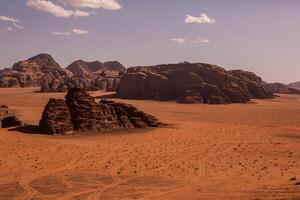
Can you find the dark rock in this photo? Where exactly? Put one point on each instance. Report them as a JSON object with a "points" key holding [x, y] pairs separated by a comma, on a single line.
{"points": [[190, 97], [210, 84], [8, 119], [295, 85], [80, 112], [280, 88], [56, 118]]}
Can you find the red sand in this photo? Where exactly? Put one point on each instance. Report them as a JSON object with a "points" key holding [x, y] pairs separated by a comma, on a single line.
{"points": [[238, 151]]}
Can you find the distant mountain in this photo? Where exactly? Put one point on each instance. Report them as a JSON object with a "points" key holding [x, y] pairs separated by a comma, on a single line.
{"points": [[81, 67], [88, 75], [295, 85], [29, 73], [280, 88], [43, 71]]}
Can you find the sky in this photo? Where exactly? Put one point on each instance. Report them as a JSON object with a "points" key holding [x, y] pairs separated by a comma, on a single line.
{"points": [[262, 36]]}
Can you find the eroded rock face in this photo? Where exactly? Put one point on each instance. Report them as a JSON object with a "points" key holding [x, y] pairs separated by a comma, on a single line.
{"points": [[43, 71], [295, 85], [8, 119], [56, 118], [280, 88], [190, 83], [91, 76], [80, 112], [29, 73]]}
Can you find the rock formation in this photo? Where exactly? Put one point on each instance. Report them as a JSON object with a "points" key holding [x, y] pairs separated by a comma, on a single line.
{"points": [[29, 73], [80, 112], [91, 76], [295, 85], [280, 88], [81, 67], [7, 118], [191, 83], [43, 71]]}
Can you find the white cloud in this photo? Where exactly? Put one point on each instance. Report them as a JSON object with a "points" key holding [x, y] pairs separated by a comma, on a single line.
{"points": [[73, 32], [9, 28], [80, 31], [178, 40], [58, 11], [195, 41], [202, 19], [61, 33], [8, 19], [96, 4], [18, 26], [200, 40]]}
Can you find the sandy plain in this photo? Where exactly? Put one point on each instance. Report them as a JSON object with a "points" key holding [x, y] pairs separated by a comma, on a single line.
{"points": [[238, 151]]}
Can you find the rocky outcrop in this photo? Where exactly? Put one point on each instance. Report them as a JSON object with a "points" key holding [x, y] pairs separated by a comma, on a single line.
{"points": [[295, 85], [43, 71], [56, 118], [81, 67], [29, 73], [280, 88], [80, 112], [191, 83], [91, 76], [8, 119]]}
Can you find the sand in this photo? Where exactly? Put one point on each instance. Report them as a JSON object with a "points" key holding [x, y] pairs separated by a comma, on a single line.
{"points": [[238, 151]]}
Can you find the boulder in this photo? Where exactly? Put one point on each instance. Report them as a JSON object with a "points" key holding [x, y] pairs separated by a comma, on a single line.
{"points": [[8, 119]]}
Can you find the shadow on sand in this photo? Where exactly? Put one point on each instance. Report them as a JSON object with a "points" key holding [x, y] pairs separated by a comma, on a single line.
{"points": [[108, 96], [27, 129]]}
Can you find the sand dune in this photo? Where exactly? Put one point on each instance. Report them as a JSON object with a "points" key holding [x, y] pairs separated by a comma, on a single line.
{"points": [[238, 151]]}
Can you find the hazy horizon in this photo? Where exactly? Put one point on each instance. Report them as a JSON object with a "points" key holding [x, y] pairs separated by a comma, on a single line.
{"points": [[259, 35]]}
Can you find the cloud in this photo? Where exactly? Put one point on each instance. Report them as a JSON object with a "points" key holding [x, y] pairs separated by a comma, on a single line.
{"points": [[9, 28], [18, 26], [58, 11], [200, 40], [61, 33], [178, 40], [80, 32], [73, 32], [95, 4], [8, 19], [195, 41], [202, 19]]}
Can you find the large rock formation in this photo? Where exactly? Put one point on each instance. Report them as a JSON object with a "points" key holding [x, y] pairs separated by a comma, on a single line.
{"points": [[295, 85], [43, 71], [280, 88], [91, 76], [8, 119], [80, 112], [191, 83], [29, 73], [81, 67]]}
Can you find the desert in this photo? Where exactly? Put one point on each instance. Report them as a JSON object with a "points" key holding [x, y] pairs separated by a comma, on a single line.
{"points": [[149, 100], [236, 151]]}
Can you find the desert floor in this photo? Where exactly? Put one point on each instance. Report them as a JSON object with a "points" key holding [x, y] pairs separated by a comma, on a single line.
{"points": [[249, 151]]}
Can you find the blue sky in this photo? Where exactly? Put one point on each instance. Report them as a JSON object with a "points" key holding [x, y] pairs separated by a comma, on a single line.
{"points": [[257, 35]]}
